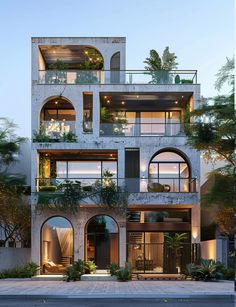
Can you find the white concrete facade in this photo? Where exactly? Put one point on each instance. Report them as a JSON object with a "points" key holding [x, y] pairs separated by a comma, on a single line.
{"points": [[148, 146]]}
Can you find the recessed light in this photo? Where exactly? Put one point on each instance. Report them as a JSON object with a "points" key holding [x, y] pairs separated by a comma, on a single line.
{"points": [[122, 102], [105, 97], [176, 101], [56, 102], [182, 97], [108, 101]]}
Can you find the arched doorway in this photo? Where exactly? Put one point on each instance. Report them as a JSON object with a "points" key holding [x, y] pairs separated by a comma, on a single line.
{"points": [[58, 117], [102, 241], [56, 245], [169, 171]]}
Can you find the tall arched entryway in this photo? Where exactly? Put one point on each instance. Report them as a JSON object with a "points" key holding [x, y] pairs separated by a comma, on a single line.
{"points": [[56, 245], [102, 241]]}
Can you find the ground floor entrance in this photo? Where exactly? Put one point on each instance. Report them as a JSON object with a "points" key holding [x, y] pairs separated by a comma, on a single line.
{"points": [[102, 241]]}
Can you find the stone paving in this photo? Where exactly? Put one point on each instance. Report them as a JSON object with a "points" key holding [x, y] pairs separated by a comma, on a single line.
{"points": [[114, 288]]}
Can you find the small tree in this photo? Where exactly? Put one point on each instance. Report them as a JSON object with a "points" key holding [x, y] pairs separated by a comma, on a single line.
{"points": [[159, 66]]}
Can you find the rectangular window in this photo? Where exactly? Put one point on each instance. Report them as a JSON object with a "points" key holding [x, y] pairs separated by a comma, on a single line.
{"points": [[88, 112]]}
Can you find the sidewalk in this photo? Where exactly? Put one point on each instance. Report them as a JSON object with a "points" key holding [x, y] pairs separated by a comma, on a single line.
{"points": [[114, 289]]}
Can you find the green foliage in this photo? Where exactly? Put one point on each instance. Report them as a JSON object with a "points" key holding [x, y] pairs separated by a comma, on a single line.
{"points": [[229, 273], [207, 270], [49, 188], [124, 273], [26, 271], [177, 79], [186, 81], [107, 194], [176, 241], [41, 137], [9, 143], [105, 115], [90, 267], [158, 67], [66, 199], [68, 137], [80, 267], [58, 65], [113, 268], [213, 130]]}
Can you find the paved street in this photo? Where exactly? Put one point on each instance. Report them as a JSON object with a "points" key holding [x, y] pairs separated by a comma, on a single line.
{"points": [[115, 303]]}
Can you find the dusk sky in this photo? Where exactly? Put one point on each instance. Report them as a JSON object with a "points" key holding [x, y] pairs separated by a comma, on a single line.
{"points": [[201, 33]]}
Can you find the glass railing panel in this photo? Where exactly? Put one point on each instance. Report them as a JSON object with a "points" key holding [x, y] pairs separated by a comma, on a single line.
{"points": [[131, 185], [55, 129], [117, 77], [141, 129]]}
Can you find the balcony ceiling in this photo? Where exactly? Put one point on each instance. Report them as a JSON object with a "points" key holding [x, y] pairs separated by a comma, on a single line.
{"points": [[142, 100], [81, 154], [71, 54]]}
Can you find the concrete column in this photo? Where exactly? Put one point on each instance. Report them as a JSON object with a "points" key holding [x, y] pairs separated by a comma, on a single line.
{"points": [[34, 169], [122, 243], [121, 166], [79, 115], [196, 234], [35, 233], [96, 114], [76, 240]]}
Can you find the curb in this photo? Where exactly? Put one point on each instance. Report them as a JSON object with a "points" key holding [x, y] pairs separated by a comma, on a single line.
{"points": [[121, 296]]}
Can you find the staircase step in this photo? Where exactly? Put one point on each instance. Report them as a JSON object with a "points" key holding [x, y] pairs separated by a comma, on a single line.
{"points": [[98, 277], [47, 277]]}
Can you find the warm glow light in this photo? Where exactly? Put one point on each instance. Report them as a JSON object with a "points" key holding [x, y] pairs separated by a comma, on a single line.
{"points": [[122, 102], [182, 97], [86, 52], [105, 97], [90, 59], [176, 101], [137, 96], [108, 101], [143, 167], [56, 102]]}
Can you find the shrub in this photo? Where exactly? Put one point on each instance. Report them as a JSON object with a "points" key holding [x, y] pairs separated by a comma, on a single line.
{"points": [[125, 273], [113, 268], [208, 269], [49, 188], [186, 81], [90, 267], [228, 274], [69, 137], [71, 274], [177, 79], [26, 271]]}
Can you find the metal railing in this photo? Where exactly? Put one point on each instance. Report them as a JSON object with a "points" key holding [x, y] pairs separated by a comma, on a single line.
{"points": [[142, 129], [117, 77], [131, 185]]}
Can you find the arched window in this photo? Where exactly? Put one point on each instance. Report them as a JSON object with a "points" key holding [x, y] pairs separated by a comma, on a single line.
{"points": [[168, 172], [102, 241], [57, 117], [56, 245], [115, 68]]}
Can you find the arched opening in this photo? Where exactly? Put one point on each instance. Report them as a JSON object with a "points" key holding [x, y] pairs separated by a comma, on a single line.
{"points": [[57, 118], [56, 245], [115, 68], [70, 64], [169, 171], [102, 241]]}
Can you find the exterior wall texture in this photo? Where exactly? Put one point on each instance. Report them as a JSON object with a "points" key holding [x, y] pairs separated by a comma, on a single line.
{"points": [[148, 145]]}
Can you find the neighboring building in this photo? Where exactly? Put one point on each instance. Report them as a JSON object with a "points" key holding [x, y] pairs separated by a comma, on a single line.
{"points": [[127, 122]]}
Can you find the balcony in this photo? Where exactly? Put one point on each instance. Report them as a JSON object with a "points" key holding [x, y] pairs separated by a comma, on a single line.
{"points": [[131, 185], [56, 129], [117, 77], [142, 129]]}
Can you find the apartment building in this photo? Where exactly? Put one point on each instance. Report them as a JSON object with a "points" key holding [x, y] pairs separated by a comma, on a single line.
{"points": [[93, 119]]}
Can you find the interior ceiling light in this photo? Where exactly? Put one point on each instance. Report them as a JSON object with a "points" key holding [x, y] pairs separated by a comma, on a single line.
{"points": [[56, 102], [122, 102], [176, 101], [182, 97], [105, 97], [137, 96], [86, 52], [108, 101]]}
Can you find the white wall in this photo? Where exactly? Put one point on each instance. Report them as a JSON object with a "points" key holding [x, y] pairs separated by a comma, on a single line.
{"points": [[12, 257]]}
